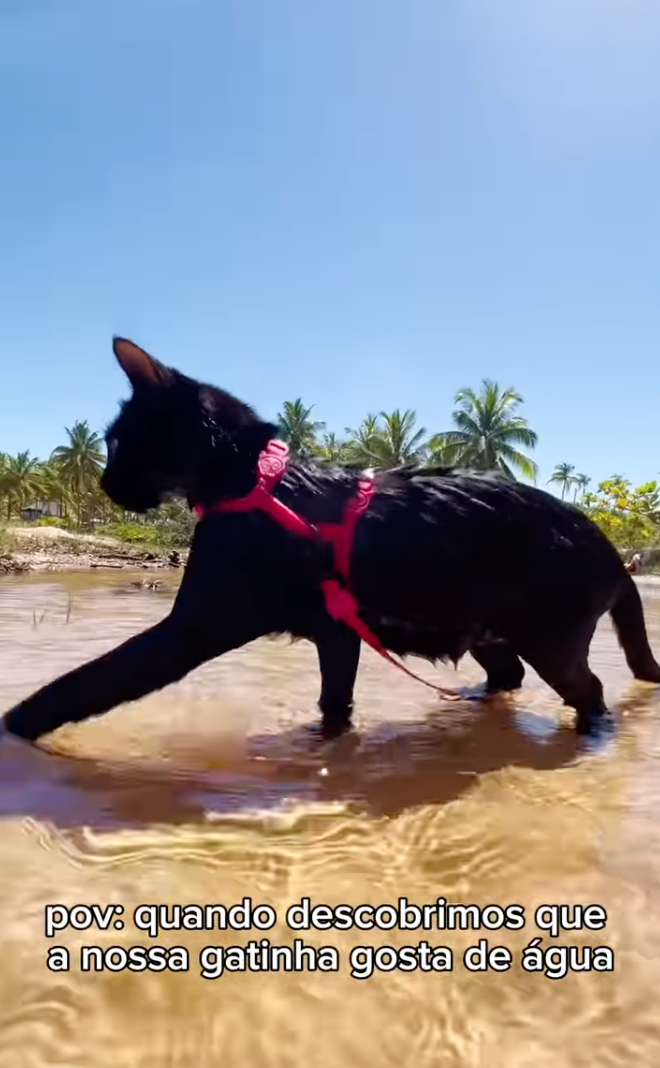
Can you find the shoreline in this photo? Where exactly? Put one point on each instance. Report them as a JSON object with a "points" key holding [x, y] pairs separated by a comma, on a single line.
{"points": [[128, 559], [38, 550], [40, 563], [52, 549]]}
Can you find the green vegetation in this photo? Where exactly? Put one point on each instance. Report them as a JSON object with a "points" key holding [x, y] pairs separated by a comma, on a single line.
{"points": [[77, 465], [7, 542], [564, 475], [298, 428], [629, 516], [69, 479], [488, 434]]}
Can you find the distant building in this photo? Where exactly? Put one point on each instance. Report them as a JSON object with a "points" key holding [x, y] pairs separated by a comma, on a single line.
{"points": [[42, 509]]}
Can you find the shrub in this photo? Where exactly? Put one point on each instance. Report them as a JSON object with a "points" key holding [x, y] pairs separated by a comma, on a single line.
{"points": [[133, 532]]}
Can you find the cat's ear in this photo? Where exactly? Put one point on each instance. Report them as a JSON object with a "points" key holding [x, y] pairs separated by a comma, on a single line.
{"points": [[140, 368]]}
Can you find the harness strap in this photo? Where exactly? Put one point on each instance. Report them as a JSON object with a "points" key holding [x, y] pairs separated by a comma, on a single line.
{"points": [[340, 602]]}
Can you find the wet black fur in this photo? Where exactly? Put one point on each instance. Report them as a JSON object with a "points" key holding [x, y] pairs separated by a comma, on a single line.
{"points": [[444, 563]]}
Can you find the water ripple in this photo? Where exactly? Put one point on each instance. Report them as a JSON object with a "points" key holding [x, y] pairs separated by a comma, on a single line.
{"points": [[216, 790]]}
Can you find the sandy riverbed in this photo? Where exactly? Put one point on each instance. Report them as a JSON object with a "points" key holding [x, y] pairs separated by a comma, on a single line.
{"points": [[215, 789]]}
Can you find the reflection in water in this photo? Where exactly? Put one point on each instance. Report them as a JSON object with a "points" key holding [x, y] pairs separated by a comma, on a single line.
{"points": [[220, 788]]}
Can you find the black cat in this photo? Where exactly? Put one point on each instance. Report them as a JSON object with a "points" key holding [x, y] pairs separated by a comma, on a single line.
{"points": [[443, 563]]}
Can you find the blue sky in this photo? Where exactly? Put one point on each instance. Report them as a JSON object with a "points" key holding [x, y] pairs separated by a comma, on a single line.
{"points": [[365, 203]]}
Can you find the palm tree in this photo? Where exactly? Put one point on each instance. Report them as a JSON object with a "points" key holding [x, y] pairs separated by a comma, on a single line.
{"points": [[581, 483], [332, 448], [563, 474], [362, 442], [53, 487], [397, 442], [80, 462], [297, 429], [21, 481], [443, 453], [393, 442], [4, 478], [488, 431]]}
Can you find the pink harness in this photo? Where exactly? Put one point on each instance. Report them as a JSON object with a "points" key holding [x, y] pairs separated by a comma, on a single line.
{"points": [[340, 602]]}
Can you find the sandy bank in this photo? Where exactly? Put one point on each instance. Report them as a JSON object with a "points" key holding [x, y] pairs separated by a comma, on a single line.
{"points": [[33, 549]]}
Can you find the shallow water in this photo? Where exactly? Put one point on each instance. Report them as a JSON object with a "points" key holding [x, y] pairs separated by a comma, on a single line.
{"points": [[216, 790]]}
